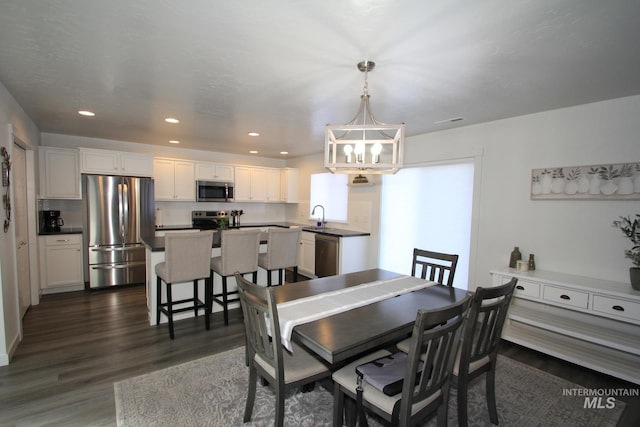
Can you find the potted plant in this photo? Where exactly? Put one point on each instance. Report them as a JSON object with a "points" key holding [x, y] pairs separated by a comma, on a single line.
{"points": [[631, 229]]}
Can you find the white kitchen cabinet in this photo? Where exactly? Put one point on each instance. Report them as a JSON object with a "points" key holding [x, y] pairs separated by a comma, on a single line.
{"points": [[272, 185], [307, 254], [289, 178], [174, 180], [59, 173], [61, 263], [591, 322], [115, 162], [250, 184], [214, 172]]}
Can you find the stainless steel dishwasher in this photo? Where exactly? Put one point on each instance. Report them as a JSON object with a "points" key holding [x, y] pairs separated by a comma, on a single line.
{"points": [[326, 255]]}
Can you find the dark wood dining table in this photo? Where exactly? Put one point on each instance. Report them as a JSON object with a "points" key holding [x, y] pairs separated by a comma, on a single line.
{"points": [[342, 336]]}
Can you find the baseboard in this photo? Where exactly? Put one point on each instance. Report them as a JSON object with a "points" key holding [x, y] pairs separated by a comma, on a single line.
{"points": [[6, 358]]}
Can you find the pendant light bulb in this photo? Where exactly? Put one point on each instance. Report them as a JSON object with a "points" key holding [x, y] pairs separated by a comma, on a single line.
{"points": [[375, 152], [348, 149]]}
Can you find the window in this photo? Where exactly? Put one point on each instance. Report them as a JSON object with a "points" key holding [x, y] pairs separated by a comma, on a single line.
{"points": [[331, 191], [430, 208]]}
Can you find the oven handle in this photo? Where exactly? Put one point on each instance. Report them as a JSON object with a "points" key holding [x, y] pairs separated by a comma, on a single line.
{"points": [[117, 266], [116, 249]]}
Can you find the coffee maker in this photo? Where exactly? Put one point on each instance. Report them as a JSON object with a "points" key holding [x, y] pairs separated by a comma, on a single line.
{"points": [[50, 221]]}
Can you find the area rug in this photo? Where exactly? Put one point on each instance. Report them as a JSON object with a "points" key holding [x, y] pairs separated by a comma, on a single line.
{"points": [[211, 392]]}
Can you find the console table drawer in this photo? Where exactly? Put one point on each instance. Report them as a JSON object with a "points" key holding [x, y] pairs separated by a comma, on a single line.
{"points": [[565, 296], [527, 289], [618, 307]]}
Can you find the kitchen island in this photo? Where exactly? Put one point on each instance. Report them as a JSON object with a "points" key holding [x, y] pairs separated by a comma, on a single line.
{"points": [[154, 254]]}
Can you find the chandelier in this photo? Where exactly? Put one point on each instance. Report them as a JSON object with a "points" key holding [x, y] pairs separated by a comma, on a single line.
{"points": [[364, 145]]}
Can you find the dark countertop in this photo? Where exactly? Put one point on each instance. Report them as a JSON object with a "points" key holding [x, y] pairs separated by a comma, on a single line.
{"points": [[156, 244], [63, 230], [305, 227]]}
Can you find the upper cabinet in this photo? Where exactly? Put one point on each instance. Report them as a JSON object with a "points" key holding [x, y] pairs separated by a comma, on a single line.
{"points": [[273, 185], [59, 173], [255, 184], [115, 162], [289, 185], [174, 180], [214, 172]]}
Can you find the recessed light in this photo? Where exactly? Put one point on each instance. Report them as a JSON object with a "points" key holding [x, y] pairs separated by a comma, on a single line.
{"points": [[284, 152], [174, 141], [171, 120], [86, 113], [253, 152], [253, 134]]}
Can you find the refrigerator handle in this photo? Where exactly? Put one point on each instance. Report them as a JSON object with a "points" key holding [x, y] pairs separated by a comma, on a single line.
{"points": [[125, 209], [120, 212]]}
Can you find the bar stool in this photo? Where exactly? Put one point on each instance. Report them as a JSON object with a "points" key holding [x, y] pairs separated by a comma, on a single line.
{"points": [[282, 252], [187, 258], [239, 252]]}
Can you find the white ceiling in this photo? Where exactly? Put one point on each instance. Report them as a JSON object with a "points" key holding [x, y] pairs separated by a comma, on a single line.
{"points": [[286, 68]]}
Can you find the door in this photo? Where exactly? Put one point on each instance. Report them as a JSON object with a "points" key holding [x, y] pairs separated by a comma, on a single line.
{"points": [[19, 167]]}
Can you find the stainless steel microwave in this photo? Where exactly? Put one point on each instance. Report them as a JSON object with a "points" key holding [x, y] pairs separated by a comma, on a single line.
{"points": [[214, 191]]}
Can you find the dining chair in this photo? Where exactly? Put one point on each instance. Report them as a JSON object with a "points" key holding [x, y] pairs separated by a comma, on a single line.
{"points": [[267, 358], [435, 266], [481, 339], [238, 253], [282, 252], [187, 258], [436, 334]]}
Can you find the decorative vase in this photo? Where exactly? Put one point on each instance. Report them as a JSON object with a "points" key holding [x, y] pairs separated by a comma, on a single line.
{"points": [[607, 187], [571, 187], [557, 185], [536, 188], [532, 262], [515, 257], [545, 183], [634, 275], [583, 184], [625, 185]]}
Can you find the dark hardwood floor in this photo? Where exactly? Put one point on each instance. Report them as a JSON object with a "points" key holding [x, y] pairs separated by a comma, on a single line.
{"points": [[77, 344]]}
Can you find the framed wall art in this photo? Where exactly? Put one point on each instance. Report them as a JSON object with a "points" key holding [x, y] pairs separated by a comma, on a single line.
{"points": [[620, 181]]}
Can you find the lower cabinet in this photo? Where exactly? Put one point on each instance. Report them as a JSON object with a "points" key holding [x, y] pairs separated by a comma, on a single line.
{"points": [[307, 254], [61, 263], [590, 322]]}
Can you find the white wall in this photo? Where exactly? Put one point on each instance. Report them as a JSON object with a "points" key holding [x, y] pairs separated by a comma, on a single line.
{"points": [[565, 235], [23, 128]]}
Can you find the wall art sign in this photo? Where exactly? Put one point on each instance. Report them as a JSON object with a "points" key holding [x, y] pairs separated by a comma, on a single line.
{"points": [[620, 181]]}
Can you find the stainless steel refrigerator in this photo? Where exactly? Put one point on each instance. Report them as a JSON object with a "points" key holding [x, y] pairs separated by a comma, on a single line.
{"points": [[119, 209]]}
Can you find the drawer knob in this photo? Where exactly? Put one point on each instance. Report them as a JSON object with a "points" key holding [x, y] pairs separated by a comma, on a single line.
{"points": [[618, 308], [563, 296], [520, 288]]}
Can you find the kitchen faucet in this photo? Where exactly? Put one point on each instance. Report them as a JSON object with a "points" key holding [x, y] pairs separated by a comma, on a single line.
{"points": [[314, 211]]}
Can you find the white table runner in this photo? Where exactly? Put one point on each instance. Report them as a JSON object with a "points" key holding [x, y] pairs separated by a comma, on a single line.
{"points": [[303, 310]]}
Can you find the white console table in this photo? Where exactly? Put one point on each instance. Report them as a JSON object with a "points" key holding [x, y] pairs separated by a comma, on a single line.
{"points": [[590, 322]]}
